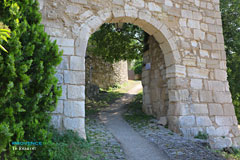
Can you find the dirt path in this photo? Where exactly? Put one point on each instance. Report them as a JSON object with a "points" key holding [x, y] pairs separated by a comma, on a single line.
{"points": [[134, 145]]}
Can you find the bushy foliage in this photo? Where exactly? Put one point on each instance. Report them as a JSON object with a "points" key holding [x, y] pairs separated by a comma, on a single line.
{"points": [[137, 67], [115, 44], [28, 87], [4, 34], [231, 29], [69, 146]]}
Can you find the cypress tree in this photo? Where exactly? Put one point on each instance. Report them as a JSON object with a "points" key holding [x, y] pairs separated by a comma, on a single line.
{"points": [[28, 87]]}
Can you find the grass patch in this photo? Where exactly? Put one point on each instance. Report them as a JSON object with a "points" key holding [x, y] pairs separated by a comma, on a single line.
{"points": [[100, 101], [69, 146], [201, 135], [134, 114], [230, 153], [107, 97], [125, 87]]}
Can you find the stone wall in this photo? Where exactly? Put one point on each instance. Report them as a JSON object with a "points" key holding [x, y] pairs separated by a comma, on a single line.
{"points": [[105, 74], [190, 36], [155, 89]]}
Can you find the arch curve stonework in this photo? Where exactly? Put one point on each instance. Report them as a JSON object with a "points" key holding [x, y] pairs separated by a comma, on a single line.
{"points": [[189, 34]]}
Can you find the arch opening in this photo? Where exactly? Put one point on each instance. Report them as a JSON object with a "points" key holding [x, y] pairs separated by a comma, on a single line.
{"points": [[163, 57]]}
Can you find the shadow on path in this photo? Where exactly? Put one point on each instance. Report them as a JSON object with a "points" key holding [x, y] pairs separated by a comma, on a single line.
{"points": [[134, 145]]}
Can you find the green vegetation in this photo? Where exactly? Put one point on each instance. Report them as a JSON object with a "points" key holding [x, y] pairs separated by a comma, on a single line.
{"points": [[4, 34], [137, 67], [231, 29], [28, 84], [68, 146], [101, 101], [125, 87], [134, 114], [230, 153], [201, 135], [113, 44], [106, 97]]}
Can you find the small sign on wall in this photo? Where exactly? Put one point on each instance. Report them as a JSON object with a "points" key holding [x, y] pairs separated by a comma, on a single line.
{"points": [[148, 66]]}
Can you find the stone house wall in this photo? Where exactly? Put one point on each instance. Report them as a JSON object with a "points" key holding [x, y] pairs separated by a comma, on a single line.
{"points": [[105, 74]]}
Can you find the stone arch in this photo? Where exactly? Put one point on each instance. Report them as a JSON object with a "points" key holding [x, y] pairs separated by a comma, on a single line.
{"points": [[190, 36], [152, 26], [155, 28]]}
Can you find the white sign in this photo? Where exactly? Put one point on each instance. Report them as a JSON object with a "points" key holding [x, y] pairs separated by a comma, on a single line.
{"points": [[148, 66]]}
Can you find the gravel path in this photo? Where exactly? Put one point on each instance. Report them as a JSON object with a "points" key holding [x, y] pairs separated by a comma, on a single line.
{"points": [[143, 140], [176, 146], [135, 146], [102, 139]]}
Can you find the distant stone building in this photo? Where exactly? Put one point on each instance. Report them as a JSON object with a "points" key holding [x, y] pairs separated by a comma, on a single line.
{"points": [[105, 74]]}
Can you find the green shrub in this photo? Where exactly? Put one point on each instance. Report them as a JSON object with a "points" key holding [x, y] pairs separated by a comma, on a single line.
{"points": [[138, 64], [69, 146], [201, 135], [4, 34], [28, 86]]}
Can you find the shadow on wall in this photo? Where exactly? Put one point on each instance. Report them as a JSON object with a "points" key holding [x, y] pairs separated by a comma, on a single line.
{"points": [[105, 74]]}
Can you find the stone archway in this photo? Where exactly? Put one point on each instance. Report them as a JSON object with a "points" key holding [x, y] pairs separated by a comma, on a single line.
{"points": [[189, 34]]}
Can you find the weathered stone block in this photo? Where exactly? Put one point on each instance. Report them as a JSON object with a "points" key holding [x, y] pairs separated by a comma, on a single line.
{"points": [[196, 83], [220, 75], [199, 109], [220, 142], [154, 7], [168, 3], [211, 38], [220, 131], [204, 53], [216, 86], [198, 34], [77, 63], [187, 14], [215, 109], [41, 2], [203, 121], [65, 42], [68, 51], [64, 64], [79, 1], [138, 3], [178, 95], [82, 41], [197, 73], [228, 110], [75, 124], [178, 109], [162, 121], [118, 2], [224, 120], [74, 108], [176, 71], [76, 92], [193, 24], [187, 121], [74, 77], [206, 96], [144, 14], [222, 97], [236, 142]]}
